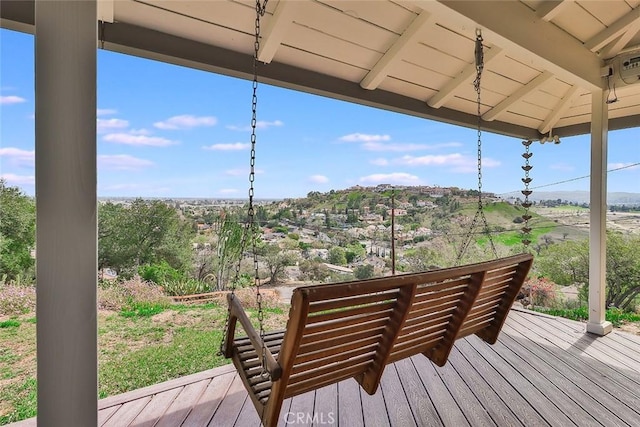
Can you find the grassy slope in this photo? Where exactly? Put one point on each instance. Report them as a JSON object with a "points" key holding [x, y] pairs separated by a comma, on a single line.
{"points": [[502, 214], [134, 352]]}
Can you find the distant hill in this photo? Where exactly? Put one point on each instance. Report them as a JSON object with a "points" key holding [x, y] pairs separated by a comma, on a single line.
{"points": [[613, 198]]}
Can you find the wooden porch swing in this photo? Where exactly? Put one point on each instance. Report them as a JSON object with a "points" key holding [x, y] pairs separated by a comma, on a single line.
{"points": [[355, 329]]}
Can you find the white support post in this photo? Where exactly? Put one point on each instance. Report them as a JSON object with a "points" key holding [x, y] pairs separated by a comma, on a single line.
{"points": [[598, 215], [66, 265]]}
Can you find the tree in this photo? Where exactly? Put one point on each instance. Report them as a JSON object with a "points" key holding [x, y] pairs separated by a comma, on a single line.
{"points": [[363, 272], [142, 233], [422, 259], [17, 232], [567, 263], [221, 251], [276, 260], [354, 252], [337, 256]]}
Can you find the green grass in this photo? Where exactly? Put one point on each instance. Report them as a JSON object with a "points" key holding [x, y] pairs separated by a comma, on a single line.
{"points": [[134, 352], [514, 238], [23, 397], [189, 351], [142, 309], [613, 315], [11, 323]]}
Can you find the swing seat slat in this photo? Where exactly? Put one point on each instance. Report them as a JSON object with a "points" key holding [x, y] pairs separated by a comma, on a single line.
{"points": [[354, 329]]}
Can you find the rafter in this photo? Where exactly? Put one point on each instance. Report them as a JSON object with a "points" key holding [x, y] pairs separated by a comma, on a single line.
{"points": [[105, 10], [613, 31], [524, 35], [517, 96], [465, 76], [557, 113], [395, 52], [275, 30], [550, 9], [615, 47]]}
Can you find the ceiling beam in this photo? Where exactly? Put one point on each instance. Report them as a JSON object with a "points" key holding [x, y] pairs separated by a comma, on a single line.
{"points": [[395, 53], [615, 47], [275, 29], [517, 96], [105, 10], [521, 33], [561, 108], [613, 31], [551, 8], [465, 76]]}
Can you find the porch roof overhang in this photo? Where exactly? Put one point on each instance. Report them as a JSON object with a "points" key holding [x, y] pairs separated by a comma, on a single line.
{"points": [[542, 58]]}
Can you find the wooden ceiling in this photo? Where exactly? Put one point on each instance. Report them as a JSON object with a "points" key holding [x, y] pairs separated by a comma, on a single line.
{"points": [[543, 59]]}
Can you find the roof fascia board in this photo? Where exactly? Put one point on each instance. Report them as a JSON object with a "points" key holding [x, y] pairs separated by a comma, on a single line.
{"points": [[18, 15], [517, 29], [585, 128]]}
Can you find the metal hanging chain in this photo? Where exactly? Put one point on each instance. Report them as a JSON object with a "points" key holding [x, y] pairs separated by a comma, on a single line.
{"points": [[526, 230], [479, 58], [250, 231]]}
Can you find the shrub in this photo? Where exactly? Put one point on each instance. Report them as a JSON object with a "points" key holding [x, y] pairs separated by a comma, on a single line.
{"points": [[16, 300], [131, 292], [538, 291], [362, 272], [160, 273], [185, 287]]}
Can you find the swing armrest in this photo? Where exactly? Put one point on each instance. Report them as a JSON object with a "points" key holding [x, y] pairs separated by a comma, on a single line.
{"points": [[237, 313]]}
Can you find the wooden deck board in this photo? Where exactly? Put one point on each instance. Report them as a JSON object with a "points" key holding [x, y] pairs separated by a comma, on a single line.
{"points": [[543, 371], [424, 412], [374, 409]]}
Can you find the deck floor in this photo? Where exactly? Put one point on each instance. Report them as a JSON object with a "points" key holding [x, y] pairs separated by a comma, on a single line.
{"points": [[542, 371]]}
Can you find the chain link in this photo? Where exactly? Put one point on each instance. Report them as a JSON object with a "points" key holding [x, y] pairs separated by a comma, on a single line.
{"points": [[479, 58], [250, 231]]}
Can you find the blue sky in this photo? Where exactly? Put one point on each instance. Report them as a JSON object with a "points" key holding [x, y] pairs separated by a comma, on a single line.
{"points": [[167, 131]]}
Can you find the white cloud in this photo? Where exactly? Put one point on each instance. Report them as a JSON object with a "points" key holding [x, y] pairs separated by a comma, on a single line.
{"points": [[260, 124], [228, 191], [106, 111], [397, 147], [236, 146], [186, 121], [123, 162], [14, 179], [235, 172], [363, 137], [391, 178], [18, 156], [562, 167], [318, 179], [380, 161], [128, 139], [622, 166], [139, 132], [109, 124], [11, 99], [459, 163]]}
